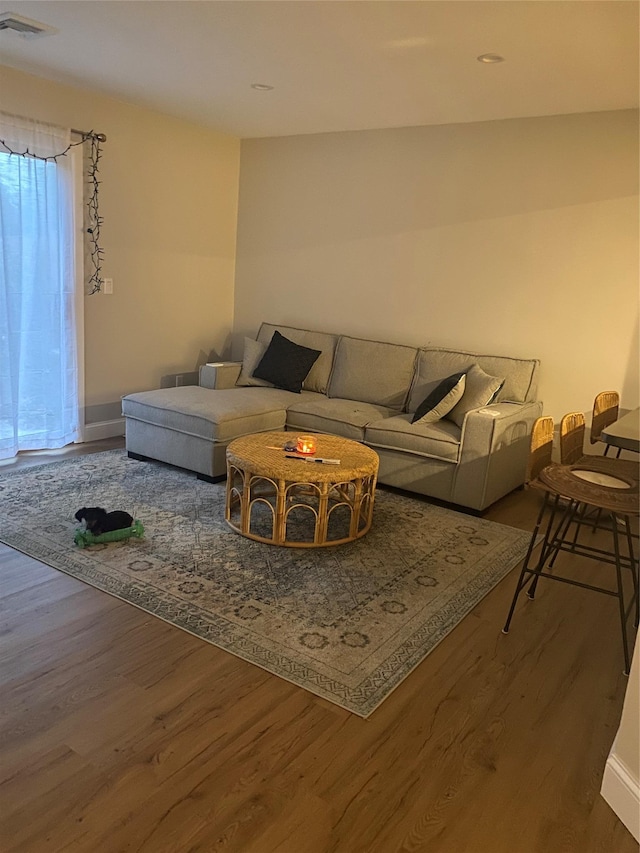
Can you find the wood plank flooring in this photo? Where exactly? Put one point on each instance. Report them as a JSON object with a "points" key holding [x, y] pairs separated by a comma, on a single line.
{"points": [[120, 733]]}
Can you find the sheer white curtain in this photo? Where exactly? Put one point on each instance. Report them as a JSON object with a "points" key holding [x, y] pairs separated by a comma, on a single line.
{"points": [[39, 396]]}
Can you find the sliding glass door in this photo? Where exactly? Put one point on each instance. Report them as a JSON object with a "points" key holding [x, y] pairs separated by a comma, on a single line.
{"points": [[40, 324]]}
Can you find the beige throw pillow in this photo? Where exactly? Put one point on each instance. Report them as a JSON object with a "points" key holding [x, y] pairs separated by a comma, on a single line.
{"points": [[480, 389], [441, 400], [253, 352]]}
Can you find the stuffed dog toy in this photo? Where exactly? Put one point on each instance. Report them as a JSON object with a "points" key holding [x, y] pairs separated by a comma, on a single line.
{"points": [[99, 521]]}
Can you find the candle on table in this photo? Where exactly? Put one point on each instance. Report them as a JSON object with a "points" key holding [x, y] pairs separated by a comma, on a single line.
{"points": [[306, 444]]}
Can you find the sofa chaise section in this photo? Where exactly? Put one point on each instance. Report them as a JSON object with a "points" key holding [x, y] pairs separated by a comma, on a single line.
{"points": [[191, 426]]}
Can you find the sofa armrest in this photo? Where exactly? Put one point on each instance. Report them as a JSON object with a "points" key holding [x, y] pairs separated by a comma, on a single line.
{"points": [[223, 374], [494, 451]]}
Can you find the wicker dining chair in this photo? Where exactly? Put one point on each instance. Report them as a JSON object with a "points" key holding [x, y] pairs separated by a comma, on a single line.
{"points": [[605, 412]]}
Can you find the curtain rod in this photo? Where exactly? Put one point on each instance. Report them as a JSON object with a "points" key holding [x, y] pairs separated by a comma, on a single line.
{"points": [[87, 134]]}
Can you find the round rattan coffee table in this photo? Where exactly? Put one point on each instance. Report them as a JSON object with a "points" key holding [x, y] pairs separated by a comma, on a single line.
{"points": [[297, 503]]}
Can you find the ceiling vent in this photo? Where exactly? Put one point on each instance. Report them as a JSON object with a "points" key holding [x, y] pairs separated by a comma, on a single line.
{"points": [[25, 27]]}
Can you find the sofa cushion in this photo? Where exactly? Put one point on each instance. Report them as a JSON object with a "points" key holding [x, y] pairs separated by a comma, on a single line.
{"points": [[480, 389], [253, 352], [441, 400], [347, 418], [440, 440], [214, 415], [372, 372], [286, 363], [435, 364], [318, 377]]}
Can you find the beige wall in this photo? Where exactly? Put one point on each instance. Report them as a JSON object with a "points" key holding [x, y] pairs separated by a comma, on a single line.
{"points": [[627, 744], [621, 782], [516, 237], [169, 198], [512, 237]]}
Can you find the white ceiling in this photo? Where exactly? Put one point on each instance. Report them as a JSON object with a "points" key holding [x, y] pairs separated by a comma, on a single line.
{"points": [[337, 65]]}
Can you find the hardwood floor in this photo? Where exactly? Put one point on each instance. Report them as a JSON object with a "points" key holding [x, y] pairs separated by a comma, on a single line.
{"points": [[122, 733]]}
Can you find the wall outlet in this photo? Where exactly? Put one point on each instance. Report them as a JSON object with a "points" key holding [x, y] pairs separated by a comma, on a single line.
{"points": [[107, 286]]}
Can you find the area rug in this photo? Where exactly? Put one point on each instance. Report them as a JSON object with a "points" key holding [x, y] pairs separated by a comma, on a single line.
{"points": [[347, 623]]}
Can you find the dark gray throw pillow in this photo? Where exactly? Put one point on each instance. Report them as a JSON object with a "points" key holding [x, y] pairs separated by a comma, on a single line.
{"points": [[441, 400], [285, 363]]}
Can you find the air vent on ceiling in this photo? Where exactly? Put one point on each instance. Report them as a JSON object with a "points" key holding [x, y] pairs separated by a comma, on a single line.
{"points": [[25, 27]]}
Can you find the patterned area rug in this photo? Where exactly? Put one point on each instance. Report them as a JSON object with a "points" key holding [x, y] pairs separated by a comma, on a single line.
{"points": [[348, 623]]}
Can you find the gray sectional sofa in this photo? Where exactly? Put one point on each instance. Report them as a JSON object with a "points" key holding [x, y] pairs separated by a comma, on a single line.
{"points": [[360, 389]]}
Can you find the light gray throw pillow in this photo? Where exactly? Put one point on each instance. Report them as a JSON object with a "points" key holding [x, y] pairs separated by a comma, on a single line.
{"points": [[441, 406], [480, 389], [253, 352]]}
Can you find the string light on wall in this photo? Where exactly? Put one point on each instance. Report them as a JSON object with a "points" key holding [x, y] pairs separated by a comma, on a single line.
{"points": [[94, 220]]}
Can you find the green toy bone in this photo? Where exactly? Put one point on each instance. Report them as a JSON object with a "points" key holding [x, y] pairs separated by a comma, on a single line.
{"points": [[85, 537]]}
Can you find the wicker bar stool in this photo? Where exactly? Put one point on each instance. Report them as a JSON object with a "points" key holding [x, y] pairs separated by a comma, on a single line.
{"points": [[582, 485], [540, 453], [605, 412], [572, 435], [572, 440]]}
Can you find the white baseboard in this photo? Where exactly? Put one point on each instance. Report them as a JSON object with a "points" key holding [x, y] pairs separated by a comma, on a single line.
{"points": [[622, 792], [103, 429]]}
